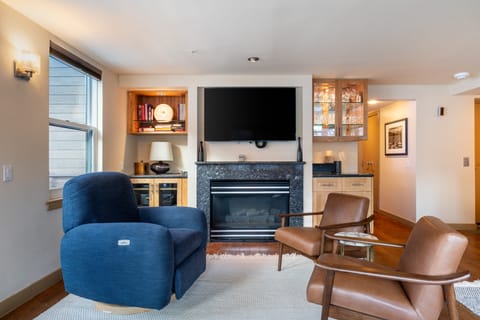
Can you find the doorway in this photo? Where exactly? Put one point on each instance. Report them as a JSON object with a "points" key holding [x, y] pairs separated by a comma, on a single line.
{"points": [[368, 154]]}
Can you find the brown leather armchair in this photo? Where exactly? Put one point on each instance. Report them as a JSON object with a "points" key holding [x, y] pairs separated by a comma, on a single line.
{"points": [[342, 212], [349, 288]]}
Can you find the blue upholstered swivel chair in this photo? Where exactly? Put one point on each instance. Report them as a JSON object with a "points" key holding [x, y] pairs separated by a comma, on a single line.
{"points": [[116, 253]]}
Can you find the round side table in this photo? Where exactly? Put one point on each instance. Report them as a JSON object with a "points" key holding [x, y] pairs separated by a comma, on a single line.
{"points": [[353, 243]]}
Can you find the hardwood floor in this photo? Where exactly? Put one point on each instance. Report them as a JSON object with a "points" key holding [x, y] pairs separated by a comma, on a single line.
{"points": [[386, 228]]}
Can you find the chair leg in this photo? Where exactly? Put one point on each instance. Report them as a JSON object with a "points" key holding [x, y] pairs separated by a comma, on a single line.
{"points": [[449, 294], [280, 254], [327, 293]]}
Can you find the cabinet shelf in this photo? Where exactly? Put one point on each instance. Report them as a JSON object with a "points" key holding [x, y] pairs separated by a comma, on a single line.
{"points": [[357, 125]]}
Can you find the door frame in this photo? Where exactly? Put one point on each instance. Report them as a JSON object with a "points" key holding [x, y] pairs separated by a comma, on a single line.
{"points": [[477, 159], [373, 137]]}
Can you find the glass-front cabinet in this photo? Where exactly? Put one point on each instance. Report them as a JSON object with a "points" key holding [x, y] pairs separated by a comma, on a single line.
{"points": [[154, 192], [339, 110]]}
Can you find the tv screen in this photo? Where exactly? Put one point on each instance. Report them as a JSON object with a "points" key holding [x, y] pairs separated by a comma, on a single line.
{"points": [[249, 114]]}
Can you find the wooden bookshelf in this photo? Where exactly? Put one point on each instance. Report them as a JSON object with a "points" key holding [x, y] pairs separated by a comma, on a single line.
{"points": [[138, 124]]}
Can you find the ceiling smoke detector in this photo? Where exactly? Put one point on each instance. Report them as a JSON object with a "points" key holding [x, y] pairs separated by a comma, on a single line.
{"points": [[461, 75]]}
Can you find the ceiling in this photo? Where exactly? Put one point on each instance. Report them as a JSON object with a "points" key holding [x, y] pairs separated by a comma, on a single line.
{"points": [[384, 41]]}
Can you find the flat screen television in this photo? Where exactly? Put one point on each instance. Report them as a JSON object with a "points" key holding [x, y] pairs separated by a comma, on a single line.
{"points": [[249, 114]]}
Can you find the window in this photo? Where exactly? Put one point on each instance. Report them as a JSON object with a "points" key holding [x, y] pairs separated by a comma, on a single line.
{"points": [[73, 112]]}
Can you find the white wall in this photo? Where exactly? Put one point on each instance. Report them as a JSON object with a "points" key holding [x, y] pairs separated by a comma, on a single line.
{"points": [[443, 187], [114, 125], [397, 173], [29, 234], [347, 152]]}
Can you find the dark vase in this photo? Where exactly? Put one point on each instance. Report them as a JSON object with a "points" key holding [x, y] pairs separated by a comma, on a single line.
{"points": [[201, 154], [299, 151]]}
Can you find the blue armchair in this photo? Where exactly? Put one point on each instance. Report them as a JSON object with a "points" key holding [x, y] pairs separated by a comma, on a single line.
{"points": [[117, 253]]}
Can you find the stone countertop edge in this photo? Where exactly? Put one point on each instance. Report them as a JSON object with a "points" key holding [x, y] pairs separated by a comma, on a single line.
{"points": [[341, 175], [248, 162], [160, 176]]}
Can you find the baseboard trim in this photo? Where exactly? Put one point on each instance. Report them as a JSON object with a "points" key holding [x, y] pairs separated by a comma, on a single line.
{"points": [[13, 302], [456, 226]]}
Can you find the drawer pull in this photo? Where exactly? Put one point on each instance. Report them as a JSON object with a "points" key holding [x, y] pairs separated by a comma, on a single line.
{"points": [[327, 184], [357, 184]]}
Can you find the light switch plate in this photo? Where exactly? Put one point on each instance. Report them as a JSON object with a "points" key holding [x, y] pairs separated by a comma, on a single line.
{"points": [[466, 161], [7, 172]]}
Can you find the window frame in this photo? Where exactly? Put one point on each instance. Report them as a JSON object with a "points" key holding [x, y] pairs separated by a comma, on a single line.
{"points": [[93, 116]]}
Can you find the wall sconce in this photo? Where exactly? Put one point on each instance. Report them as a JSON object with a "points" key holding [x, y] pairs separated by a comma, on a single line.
{"points": [[26, 64]]}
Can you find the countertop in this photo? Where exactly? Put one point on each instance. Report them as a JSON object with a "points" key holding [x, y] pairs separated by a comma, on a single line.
{"points": [[341, 175], [176, 175], [249, 162]]}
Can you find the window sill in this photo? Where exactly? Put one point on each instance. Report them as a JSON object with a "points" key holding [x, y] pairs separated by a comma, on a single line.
{"points": [[54, 204]]}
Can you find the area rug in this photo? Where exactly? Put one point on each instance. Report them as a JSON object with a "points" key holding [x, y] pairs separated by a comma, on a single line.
{"points": [[232, 288], [468, 294]]}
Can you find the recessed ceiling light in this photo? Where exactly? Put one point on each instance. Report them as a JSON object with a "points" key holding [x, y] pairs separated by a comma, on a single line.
{"points": [[253, 59], [461, 75]]}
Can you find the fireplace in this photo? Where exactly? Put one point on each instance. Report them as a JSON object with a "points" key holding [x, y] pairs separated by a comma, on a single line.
{"points": [[247, 209], [289, 174]]}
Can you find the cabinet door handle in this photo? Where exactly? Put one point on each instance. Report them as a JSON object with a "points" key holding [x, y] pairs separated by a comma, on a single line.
{"points": [[327, 184]]}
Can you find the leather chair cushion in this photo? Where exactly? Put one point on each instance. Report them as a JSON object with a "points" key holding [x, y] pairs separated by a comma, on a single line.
{"points": [[382, 298], [431, 240], [304, 239], [185, 242], [344, 208]]}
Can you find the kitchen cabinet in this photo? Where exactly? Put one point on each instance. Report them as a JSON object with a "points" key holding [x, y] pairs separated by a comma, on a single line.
{"points": [[361, 185], [340, 110], [158, 191]]}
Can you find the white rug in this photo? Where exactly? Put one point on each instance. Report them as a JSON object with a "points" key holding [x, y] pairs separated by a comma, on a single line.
{"points": [[232, 288], [468, 294]]}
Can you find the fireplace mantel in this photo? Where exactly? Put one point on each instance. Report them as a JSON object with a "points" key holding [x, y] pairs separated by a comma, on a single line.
{"points": [[251, 170]]}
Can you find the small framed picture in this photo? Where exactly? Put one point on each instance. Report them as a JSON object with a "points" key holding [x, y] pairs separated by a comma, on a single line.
{"points": [[396, 137]]}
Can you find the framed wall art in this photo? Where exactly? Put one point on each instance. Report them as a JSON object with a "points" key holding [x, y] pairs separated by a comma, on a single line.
{"points": [[396, 137]]}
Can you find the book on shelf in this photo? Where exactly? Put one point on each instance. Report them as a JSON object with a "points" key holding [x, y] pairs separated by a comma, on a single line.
{"points": [[145, 112], [181, 112], [178, 127], [163, 127]]}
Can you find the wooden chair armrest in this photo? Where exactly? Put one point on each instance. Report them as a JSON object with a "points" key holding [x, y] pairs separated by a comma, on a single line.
{"points": [[285, 216], [300, 214], [347, 224], [331, 235], [361, 267]]}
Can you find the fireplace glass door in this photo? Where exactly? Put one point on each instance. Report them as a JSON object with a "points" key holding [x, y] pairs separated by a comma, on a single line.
{"points": [[247, 210]]}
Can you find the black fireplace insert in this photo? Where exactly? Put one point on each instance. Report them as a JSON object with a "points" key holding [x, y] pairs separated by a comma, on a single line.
{"points": [[247, 210]]}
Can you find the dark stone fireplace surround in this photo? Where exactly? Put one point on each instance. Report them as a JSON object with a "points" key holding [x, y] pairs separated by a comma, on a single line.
{"points": [[288, 170]]}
